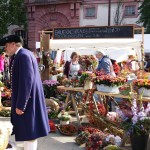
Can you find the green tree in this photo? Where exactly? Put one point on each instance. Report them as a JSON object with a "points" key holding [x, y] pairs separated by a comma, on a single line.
{"points": [[144, 11], [12, 12]]}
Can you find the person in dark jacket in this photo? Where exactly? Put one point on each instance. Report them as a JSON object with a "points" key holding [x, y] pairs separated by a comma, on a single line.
{"points": [[28, 111], [72, 67]]}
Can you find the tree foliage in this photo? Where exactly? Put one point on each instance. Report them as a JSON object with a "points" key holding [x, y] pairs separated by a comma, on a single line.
{"points": [[145, 15], [12, 12]]}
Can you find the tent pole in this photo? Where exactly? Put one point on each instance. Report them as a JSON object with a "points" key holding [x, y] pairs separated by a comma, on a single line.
{"points": [[142, 48]]}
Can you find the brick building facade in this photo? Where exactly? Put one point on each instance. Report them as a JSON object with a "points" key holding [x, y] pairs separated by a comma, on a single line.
{"points": [[44, 15]]}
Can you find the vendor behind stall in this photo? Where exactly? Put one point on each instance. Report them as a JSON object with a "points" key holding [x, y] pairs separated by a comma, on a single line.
{"points": [[104, 63], [72, 67]]}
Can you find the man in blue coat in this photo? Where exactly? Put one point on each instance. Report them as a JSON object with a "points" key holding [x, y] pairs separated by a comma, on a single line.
{"points": [[104, 63], [28, 111]]}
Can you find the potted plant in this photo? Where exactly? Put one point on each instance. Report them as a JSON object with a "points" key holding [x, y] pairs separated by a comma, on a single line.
{"points": [[87, 79], [75, 82], [50, 87], [135, 120], [66, 82], [143, 86], [106, 83], [88, 62], [64, 117]]}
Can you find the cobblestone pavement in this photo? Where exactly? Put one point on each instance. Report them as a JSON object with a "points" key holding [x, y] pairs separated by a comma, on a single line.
{"points": [[54, 141]]}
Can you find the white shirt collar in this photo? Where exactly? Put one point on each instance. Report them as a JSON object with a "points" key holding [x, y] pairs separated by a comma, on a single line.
{"points": [[18, 50]]}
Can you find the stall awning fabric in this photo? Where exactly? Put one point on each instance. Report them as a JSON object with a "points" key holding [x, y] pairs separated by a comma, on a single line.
{"points": [[117, 49], [95, 43]]}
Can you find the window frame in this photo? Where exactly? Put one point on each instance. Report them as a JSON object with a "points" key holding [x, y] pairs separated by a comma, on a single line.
{"points": [[85, 11], [132, 15]]}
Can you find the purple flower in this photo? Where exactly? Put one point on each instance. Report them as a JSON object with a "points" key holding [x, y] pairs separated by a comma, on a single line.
{"points": [[50, 82]]}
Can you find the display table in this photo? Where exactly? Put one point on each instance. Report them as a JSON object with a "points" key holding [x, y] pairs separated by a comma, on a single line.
{"points": [[70, 96], [146, 99], [108, 96], [72, 90]]}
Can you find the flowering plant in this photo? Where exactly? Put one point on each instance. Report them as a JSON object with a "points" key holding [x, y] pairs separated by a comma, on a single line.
{"points": [[93, 60], [66, 82], [50, 87], [109, 80], [1, 84], [135, 117], [64, 116], [51, 114], [88, 61], [99, 73], [75, 82], [87, 76], [68, 129], [142, 83]]}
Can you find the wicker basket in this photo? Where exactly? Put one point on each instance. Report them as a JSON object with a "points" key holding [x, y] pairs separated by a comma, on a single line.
{"points": [[4, 138], [53, 104], [67, 126], [101, 122]]}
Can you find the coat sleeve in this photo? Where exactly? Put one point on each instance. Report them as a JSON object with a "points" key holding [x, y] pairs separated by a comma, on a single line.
{"points": [[26, 77]]}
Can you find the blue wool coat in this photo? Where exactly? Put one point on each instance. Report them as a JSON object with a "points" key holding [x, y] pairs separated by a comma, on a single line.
{"points": [[106, 66], [27, 95]]}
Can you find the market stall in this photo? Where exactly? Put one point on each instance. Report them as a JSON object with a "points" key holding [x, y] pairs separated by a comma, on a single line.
{"points": [[117, 49], [103, 126]]}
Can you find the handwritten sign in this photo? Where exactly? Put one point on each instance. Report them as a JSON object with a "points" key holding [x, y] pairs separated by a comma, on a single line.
{"points": [[94, 32]]}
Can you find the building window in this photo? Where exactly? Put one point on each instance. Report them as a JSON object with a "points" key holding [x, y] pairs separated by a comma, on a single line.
{"points": [[90, 12], [130, 10]]}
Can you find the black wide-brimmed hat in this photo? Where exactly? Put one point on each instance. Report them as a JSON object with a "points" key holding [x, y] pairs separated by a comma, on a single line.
{"points": [[9, 39]]}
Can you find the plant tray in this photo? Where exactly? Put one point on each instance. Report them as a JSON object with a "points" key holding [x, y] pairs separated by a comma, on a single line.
{"points": [[64, 133]]}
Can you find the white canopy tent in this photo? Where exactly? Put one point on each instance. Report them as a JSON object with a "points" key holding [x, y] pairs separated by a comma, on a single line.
{"points": [[94, 43], [117, 49], [146, 41]]}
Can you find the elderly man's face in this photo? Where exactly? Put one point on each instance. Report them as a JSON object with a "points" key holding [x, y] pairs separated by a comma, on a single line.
{"points": [[99, 55], [10, 48]]}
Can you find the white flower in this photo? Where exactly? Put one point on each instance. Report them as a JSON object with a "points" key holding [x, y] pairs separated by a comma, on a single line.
{"points": [[120, 114], [147, 110], [134, 119], [142, 114], [118, 140]]}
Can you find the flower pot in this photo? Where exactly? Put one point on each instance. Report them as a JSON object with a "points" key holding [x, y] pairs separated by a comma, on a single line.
{"points": [[88, 85], [64, 122], [54, 77], [144, 91], [139, 142], [108, 89]]}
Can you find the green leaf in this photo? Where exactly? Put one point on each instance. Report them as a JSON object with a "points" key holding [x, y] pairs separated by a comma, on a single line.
{"points": [[12, 12]]}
